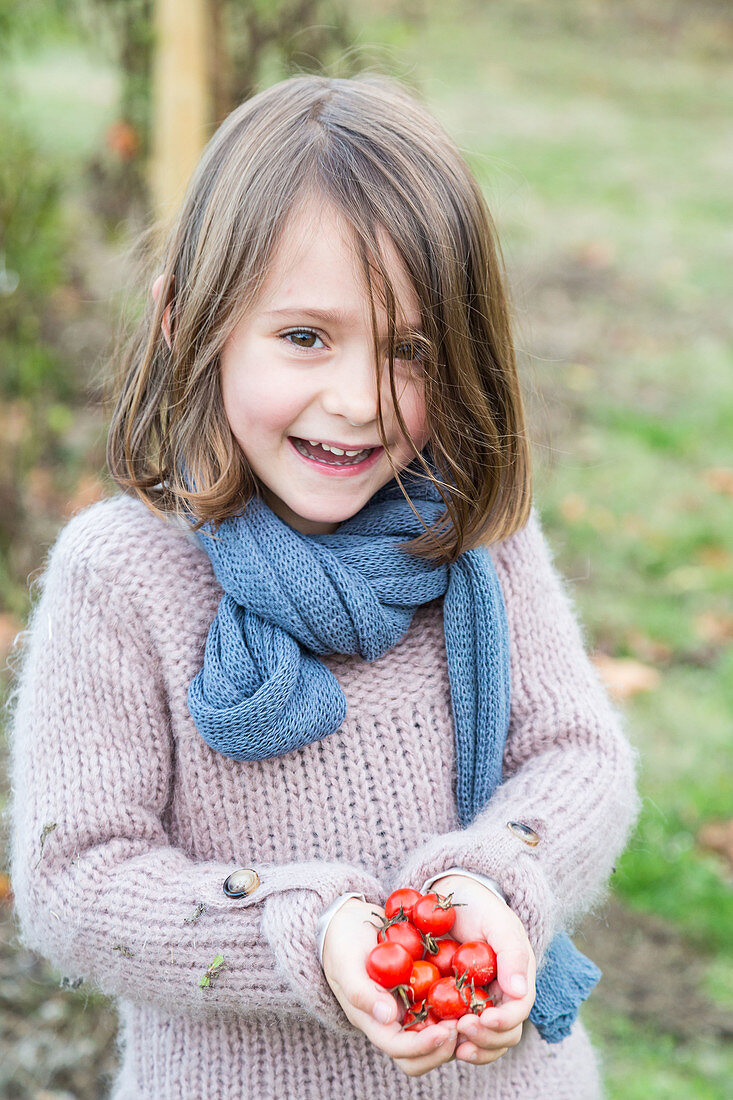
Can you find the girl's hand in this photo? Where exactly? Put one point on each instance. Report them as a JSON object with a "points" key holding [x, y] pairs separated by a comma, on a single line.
{"points": [[351, 935], [484, 916]]}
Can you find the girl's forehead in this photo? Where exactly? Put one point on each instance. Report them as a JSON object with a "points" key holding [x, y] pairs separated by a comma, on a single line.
{"points": [[317, 257]]}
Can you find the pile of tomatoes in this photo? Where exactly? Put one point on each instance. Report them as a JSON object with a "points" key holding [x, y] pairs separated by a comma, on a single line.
{"points": [[436, 977]]}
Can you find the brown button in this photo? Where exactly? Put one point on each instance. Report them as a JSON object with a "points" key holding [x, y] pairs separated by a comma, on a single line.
{"points": [[241, 883], [525, 834]]}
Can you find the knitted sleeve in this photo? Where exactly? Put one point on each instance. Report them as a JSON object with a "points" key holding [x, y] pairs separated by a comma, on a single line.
{"points": [[569, 771], [99, 889]]}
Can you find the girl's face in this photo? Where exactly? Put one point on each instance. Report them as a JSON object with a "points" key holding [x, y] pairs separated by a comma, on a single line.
{"points": [[299, 372]]}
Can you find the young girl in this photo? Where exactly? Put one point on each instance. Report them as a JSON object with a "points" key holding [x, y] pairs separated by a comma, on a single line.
{"points": [[316, 649]]}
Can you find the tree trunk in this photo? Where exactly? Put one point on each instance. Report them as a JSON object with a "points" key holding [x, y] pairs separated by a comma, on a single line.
{"points": [[181, 98]]}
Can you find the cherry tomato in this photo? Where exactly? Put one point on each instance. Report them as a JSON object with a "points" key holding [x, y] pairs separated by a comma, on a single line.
{"points": [[406, 934], [404, 899], [424, 974], [479, 1000], [446, 1000], [389, 964], [418, 1017], [477, 959], [444, 958], [433, 914]]}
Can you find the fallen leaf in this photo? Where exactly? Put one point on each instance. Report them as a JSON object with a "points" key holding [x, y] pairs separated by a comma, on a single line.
{"points": [[122, 139], [714, 627], [717, 836], [88, 491], [648, 649], [624, 677], [720, 478], [573, 507], [715, 557], [6, 890], [10, 627], [597, 253]]}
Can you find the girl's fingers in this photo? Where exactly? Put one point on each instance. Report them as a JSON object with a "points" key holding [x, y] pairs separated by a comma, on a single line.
{"points": [[507, 1016], [513, 970], [399, 1043], [468, 1052], [486, 1038]]}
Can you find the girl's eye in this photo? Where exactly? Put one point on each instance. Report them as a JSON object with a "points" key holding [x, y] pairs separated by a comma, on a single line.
{"points": [[302, 338], [407, 351]]}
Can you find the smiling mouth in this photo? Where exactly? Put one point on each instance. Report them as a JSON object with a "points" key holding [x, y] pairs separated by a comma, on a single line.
{"points": [[319, 453]]}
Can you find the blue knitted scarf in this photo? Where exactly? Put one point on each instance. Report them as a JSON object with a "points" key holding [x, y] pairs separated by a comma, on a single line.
{"points": [[290, 597]]}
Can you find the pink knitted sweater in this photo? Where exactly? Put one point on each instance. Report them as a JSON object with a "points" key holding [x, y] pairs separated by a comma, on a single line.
{"points": [[125, 823]]}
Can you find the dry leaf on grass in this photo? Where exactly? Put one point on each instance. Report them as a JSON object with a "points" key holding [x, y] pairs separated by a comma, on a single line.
{"points": [[624, 677], [714, 627], [647, 649], [573, 507], [88, 491], [720, 478], [715, 557], [717, 836], [10, 627]]}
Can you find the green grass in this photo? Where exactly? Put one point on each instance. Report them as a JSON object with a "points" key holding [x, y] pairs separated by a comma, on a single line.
{"points": [[640, 1063]]}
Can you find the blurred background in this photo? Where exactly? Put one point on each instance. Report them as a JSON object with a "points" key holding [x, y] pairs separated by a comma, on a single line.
{"points": [[601, 133]]}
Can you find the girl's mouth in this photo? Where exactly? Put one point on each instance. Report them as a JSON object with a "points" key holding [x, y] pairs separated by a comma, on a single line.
{"points": [[330, 462]]}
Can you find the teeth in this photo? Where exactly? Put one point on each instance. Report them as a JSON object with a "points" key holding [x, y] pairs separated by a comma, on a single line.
{"points": [[333, 450]]}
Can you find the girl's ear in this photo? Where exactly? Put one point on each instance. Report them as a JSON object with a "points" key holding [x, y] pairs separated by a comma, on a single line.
{"points": [[165, 324]]}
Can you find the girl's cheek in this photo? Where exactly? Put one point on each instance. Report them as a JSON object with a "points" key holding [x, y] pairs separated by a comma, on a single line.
{"points": [[270, 406], [412, 406]]}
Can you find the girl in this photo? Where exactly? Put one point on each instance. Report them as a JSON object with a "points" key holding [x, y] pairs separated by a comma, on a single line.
{"points": [[317, 633]]}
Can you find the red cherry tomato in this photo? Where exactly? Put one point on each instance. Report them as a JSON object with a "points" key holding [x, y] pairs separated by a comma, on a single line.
{"points": [[446, 1000], [406, 934], [418, 1017], [444, 958], [476, 958], [479, 1000], [424, 974], [433, 914], [389, 965], [404, 899]]}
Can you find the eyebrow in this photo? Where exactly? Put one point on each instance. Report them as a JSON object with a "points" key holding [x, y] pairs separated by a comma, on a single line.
{"points": [[326, 316]]}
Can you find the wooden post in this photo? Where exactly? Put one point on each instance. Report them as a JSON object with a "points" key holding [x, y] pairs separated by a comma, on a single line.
{"points": [[181, 98]]}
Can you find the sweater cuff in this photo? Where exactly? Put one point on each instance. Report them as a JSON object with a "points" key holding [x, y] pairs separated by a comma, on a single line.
{"points": [[291, 922], [495, 851], [489, 883]]}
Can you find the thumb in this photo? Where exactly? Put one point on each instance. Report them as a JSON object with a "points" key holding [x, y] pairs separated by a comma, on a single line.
{"points": [[384, 1010], [512, 967], [374, 1001]]}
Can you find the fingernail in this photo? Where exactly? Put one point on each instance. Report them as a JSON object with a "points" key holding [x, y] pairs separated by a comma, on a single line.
{"points": [[382, 1012], [518, 985]]}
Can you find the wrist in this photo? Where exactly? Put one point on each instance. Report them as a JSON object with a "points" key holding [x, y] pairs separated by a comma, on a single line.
{"points": [[327, 916]]}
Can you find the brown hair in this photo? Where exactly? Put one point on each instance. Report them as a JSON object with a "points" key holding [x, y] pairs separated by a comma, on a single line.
{"points": [[367, 145]]}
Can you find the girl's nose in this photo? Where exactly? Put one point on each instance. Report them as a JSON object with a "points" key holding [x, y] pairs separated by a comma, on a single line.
{"points": [[351, 391]]}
